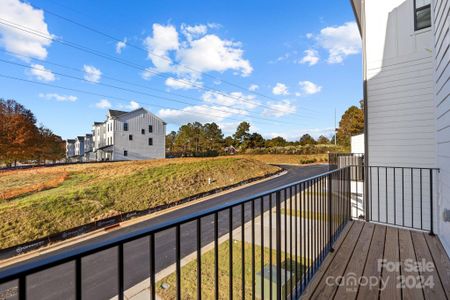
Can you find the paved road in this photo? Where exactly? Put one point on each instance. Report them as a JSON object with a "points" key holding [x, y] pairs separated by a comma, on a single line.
{"points": [[100, 270]]}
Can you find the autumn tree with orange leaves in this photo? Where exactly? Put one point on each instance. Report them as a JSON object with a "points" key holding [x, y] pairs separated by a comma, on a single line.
{"points": [[21, 140]]}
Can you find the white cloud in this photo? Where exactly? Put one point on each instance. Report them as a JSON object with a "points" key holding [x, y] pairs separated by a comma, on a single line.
{"points": [[58, 97], [41, 73], [17, 41], [164, 39], [280, 89], [200, 113], [92, 74], [309, 35], [198, 53], [133, 105], [279, 109], [253, 87], [311, 57], [210, 53], [194, 31], [121, 45], [340, 41], [309, 88], [182, 83], [236, 99], [103, 104]]}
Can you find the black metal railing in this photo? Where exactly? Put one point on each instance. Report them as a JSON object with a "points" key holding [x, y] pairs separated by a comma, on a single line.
{"points": [[402, 196], [267, 246]]}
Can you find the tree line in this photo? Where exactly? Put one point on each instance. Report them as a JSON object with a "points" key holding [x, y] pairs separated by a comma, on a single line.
{"points": [[22, 140], [197, 139]]}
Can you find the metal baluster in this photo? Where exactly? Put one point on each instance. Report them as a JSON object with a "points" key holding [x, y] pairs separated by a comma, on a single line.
{"points": [[152, 267], [270, 242], [278, 246], [216, 255], [431, 204], [395, 197], [120, 271], [330, 216], [421, 201], [78, 280], [230, 252], [199, 258], [262, 246], [178, 259], [22, 288], [243, 248], [253, 250]]}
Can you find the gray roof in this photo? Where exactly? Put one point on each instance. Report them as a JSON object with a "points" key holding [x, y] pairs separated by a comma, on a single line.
{"points": [[116, 113], [71, 141]]}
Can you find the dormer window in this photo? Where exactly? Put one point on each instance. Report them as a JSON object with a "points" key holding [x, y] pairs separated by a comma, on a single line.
{"points": [[422, 14]]}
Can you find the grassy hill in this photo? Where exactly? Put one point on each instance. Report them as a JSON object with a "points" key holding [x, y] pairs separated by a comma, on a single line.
{"points": [[38, 202]]}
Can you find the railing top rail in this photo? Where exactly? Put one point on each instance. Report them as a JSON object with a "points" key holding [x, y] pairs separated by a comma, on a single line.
{"points": [[26, 268], [400, 167]]}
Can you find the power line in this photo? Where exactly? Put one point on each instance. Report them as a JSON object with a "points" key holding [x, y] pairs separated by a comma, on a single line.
{"points": [[125, 62], [97, 31], [114, 97], [125, 82], [234, 110]]}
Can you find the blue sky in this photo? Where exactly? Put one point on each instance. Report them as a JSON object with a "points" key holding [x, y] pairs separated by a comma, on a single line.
{"points": [[283, 66]]}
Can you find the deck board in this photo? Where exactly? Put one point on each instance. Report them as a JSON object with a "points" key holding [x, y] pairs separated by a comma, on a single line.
{"points": [[356, 264], [423, 254], [407, 253], [325, 290], [358, 251], [441, 261], [371, 268], [390, 276]]}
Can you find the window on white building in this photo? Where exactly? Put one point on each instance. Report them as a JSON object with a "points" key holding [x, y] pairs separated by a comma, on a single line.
{"points": [[125, 153], [130, 137], [422, 14], [150, 128], [143, 131], [150, 141], [125, 126]]}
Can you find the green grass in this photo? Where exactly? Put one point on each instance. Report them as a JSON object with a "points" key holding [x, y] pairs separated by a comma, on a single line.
{"points": [[95, 191], [189, 273]]}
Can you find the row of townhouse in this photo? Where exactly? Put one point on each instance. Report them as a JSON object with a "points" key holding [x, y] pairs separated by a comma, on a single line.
{"points": [[134, 135]]}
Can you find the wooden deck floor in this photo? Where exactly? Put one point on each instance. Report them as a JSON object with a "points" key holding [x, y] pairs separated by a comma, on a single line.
{"points": [[353, 270]]}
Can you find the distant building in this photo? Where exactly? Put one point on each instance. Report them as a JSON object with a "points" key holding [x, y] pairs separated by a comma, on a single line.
{"points": [[79, 147], [70, 148], [89, 147], [133, 135]]}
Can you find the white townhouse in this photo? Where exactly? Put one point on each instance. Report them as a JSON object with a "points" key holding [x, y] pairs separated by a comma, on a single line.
{"points": [[406, 72], [133, 135], [88, 148], [70, 148], [79, 147]]}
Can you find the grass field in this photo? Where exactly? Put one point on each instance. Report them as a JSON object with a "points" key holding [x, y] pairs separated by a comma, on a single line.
{"points": [[295, 159], [189, 273], [38, 202]]}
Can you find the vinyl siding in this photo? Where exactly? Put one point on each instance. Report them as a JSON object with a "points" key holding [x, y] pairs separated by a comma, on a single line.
{"points": [[138, 148], [399, 69], [441, 16]]}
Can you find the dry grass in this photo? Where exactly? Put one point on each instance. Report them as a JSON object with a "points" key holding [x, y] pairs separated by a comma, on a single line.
{"points": [[74, 195], [288, 158]]}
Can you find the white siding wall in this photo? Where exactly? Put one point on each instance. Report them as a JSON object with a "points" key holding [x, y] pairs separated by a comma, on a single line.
{"points": [[138, 148], [401, 123], [441, 28]]}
